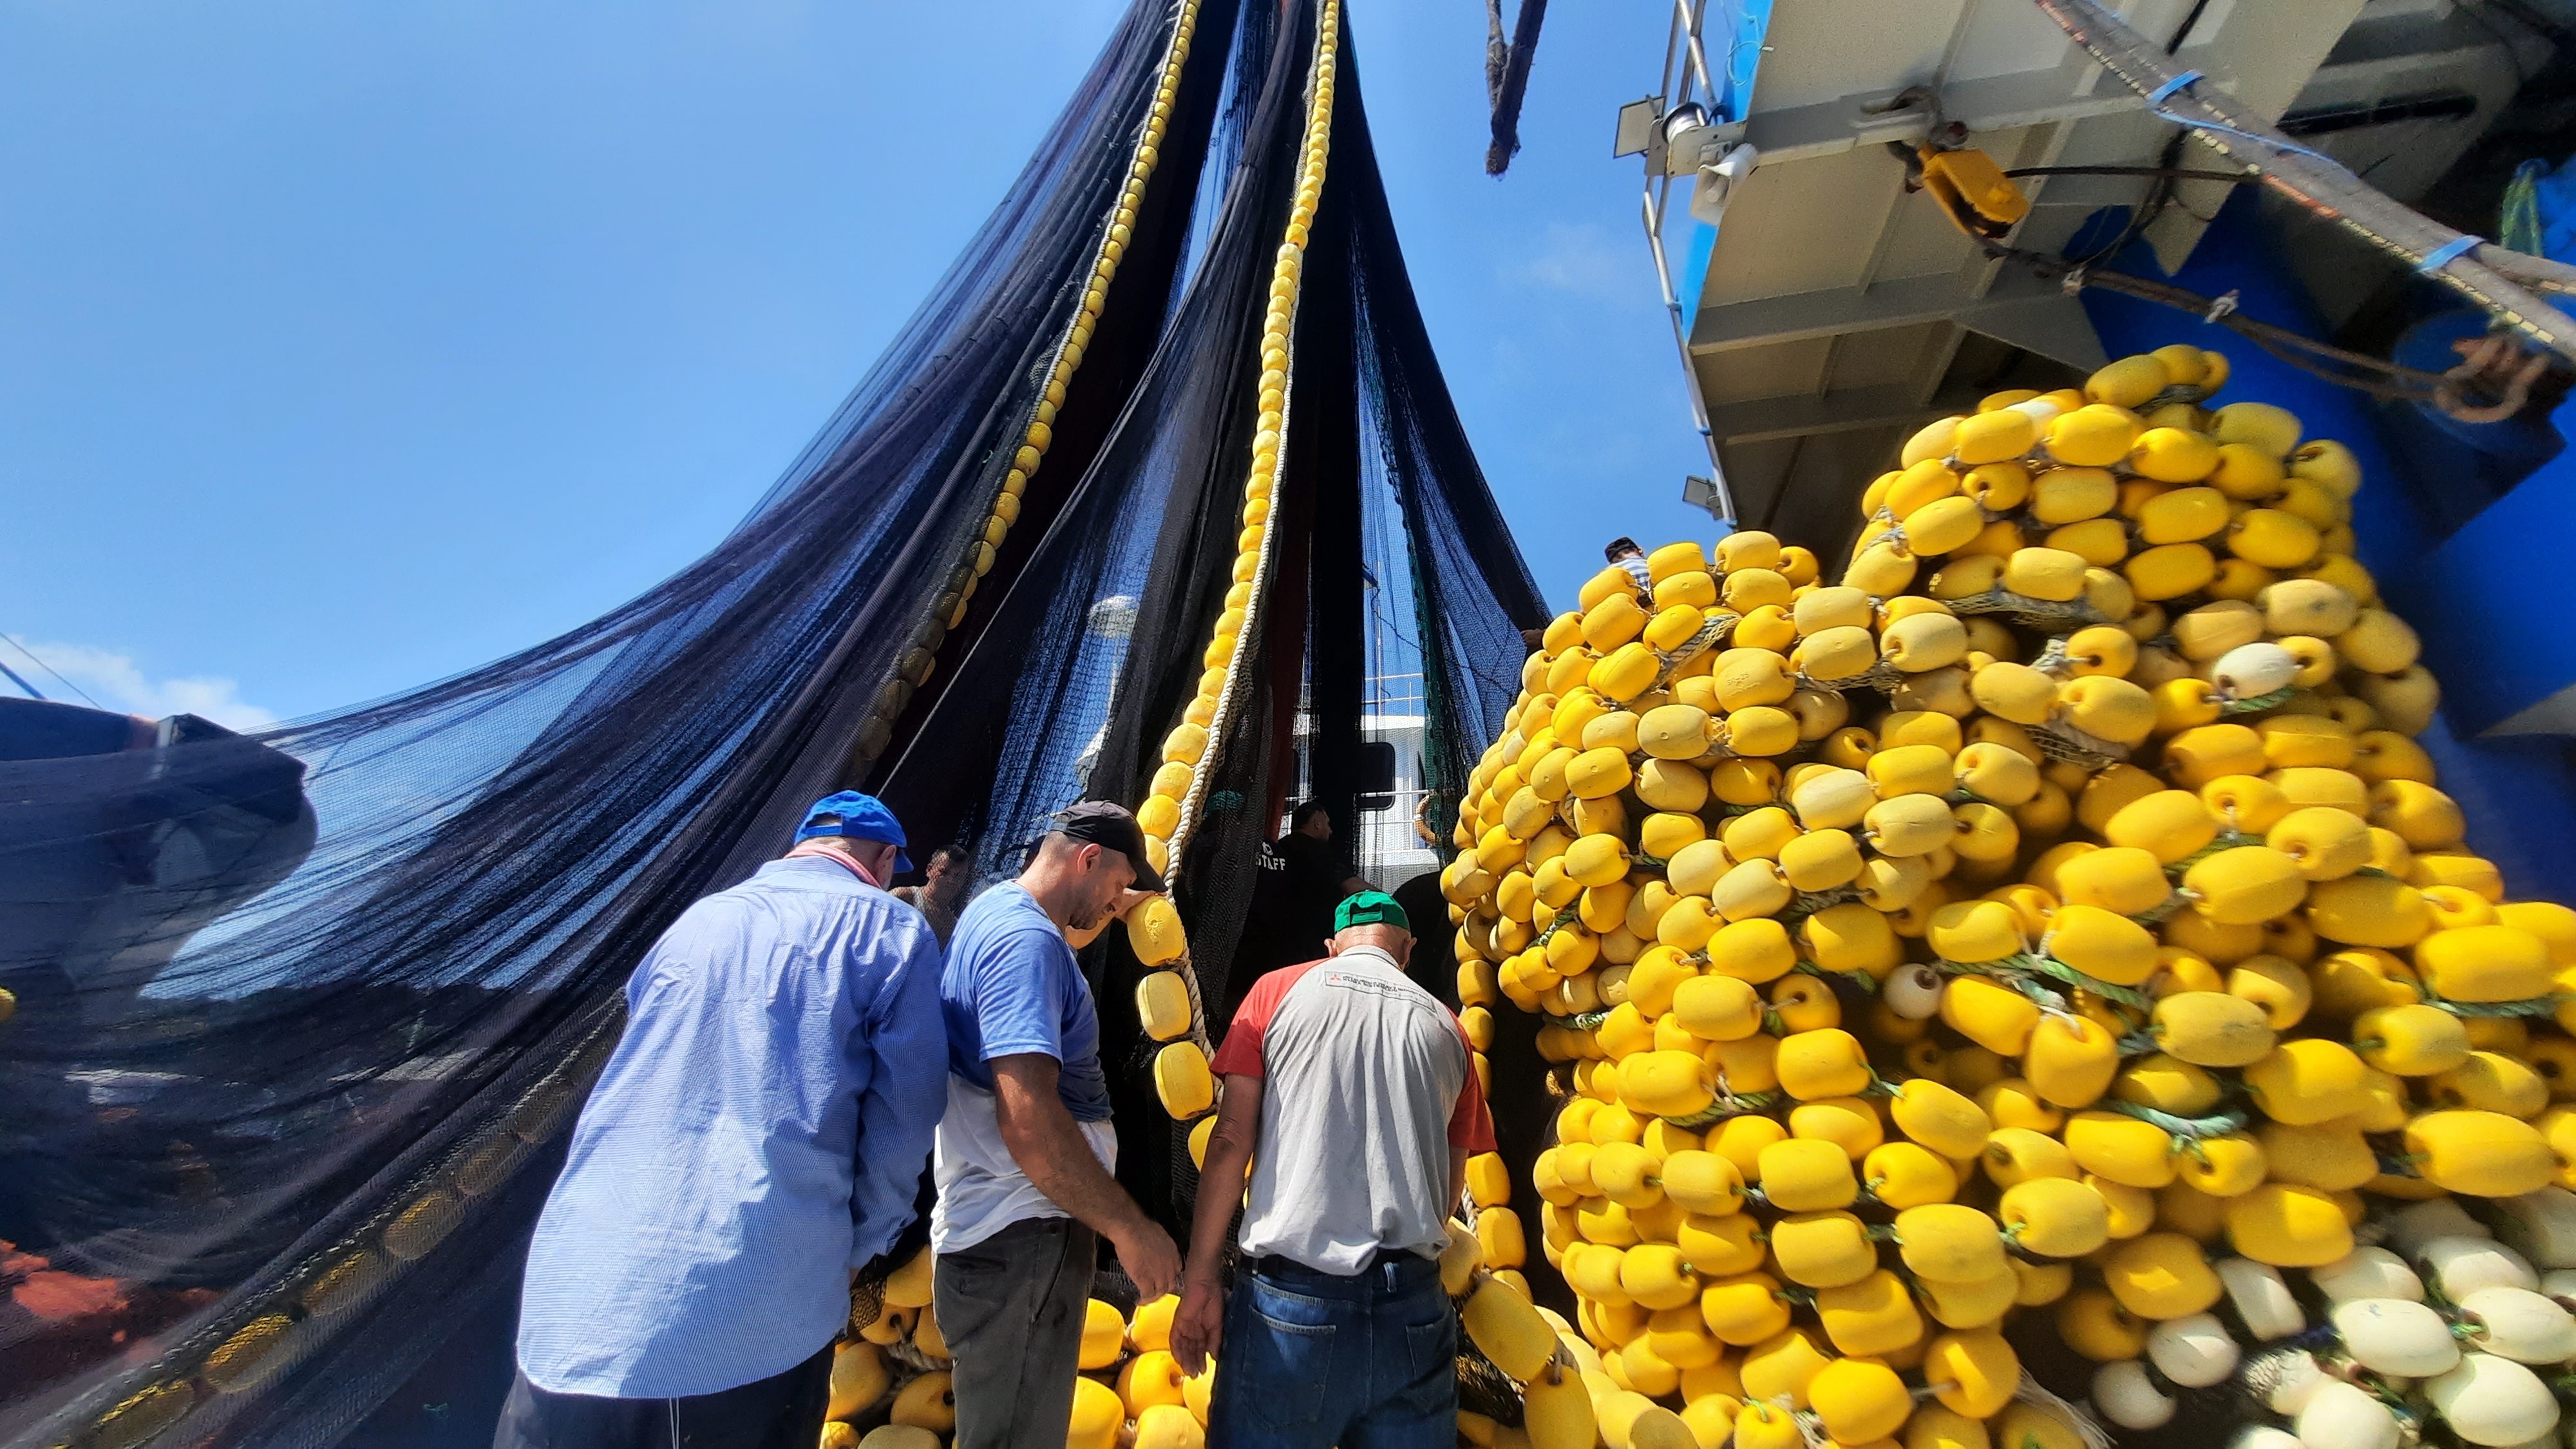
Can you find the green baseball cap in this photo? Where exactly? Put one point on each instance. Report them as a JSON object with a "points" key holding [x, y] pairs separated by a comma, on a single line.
{"points": [[1370, 908]]}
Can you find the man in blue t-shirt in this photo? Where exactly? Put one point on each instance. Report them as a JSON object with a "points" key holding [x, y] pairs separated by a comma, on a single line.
{"points": [[1025, 1149]]}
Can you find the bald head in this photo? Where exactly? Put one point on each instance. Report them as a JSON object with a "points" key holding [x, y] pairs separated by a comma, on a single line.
{"points": [[1393, 940]]}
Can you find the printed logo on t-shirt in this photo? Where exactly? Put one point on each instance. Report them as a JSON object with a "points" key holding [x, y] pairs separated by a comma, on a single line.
{"points": [[1375, 986]]}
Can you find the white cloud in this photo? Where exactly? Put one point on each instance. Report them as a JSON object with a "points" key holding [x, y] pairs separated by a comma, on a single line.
{"points": [[1582, 260], [115, 681]]}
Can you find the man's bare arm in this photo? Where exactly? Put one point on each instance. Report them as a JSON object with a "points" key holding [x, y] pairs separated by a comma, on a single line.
{"points": [[1196, 1328], [1046, 1144], [1457, 1177]]}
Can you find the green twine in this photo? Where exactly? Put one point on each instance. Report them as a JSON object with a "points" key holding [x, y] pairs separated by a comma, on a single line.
{"points": [[2017, 969], [2258, 702], [1728, 1104], [1564, 918], [2227, 839], [2156, 915], [2216, 1124], [2057, 970]]}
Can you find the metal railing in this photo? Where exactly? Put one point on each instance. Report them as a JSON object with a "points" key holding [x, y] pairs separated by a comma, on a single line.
{"points": [[1693, 108]]}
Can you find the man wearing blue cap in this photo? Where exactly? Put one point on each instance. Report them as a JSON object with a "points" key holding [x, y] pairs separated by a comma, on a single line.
{"points": [[755, 1140]]}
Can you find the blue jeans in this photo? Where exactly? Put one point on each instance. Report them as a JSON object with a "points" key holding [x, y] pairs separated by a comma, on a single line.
{"points": [[1310, 1360]]}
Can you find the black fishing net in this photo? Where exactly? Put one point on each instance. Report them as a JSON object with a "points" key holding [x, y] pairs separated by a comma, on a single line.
{"points": [[302, 1018]]}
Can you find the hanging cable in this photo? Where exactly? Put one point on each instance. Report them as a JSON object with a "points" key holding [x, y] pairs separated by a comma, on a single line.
{"points": [[49, 669]]}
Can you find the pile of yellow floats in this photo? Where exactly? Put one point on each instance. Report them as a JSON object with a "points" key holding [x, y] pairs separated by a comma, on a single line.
{"points": [[2054, 917], [893, 1374]]}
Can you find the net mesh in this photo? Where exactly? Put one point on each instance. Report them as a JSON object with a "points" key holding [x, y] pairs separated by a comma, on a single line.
{"points": [[303, 1018]]}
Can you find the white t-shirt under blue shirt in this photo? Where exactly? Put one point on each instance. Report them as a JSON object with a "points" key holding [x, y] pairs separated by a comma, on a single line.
{"points": [[1011, 988]]}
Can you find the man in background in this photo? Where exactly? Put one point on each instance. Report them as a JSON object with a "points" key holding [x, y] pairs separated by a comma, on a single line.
{"points": [[1305, 873], [1026, 1148], [1432, 963], [754, 1141], [1626, 554], [1356, 1094], [942, 890]]}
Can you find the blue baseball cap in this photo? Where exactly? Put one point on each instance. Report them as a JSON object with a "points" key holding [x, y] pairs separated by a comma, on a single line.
{"points": [[860, 817]]}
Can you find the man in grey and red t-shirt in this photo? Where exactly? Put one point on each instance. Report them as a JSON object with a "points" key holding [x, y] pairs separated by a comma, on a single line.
{"points": [[1360, 1093]]}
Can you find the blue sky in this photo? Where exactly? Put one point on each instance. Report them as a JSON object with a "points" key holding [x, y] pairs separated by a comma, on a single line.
{"points": [[347, 347]]}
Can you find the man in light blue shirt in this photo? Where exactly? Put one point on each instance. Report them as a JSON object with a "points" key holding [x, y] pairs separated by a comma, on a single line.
{"points": [[757, 1137]]}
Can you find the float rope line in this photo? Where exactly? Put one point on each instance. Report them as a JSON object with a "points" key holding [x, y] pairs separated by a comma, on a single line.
{"points": [[947, 609], [1269, 447], [258, 1340]]}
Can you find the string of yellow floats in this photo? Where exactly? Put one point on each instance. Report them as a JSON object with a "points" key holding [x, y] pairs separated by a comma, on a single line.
{"points": [[1167, 1000], [948, 609], [1480, 1265]]}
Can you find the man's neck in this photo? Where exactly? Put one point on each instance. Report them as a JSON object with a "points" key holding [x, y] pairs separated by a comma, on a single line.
{"points": [[837, 857], [1047, 890]]}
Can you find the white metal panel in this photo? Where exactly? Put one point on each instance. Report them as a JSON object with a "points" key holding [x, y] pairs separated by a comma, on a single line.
{"points": [[1836, 302], [1803, 228]]}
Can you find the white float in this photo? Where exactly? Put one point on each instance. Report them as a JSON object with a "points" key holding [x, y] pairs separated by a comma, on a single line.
{"points": [[2393, 1336], [2493, 1401]]}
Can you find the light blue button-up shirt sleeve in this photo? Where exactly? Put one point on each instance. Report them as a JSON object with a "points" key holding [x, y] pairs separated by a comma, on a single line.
{"points": [[759, 1131], [899, 1111]]}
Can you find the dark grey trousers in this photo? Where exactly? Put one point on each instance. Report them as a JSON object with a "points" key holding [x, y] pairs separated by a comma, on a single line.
{"points": [[783, 1411], [1011, 1308]]}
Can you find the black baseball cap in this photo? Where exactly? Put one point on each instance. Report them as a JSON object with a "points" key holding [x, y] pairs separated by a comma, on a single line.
{"points": [[1105, 823]]}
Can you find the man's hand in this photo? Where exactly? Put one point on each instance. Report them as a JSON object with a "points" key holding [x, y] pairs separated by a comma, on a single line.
{"points": [[1197, 1327], [1129, 900], [1046, 1144], [1150, 1258]]}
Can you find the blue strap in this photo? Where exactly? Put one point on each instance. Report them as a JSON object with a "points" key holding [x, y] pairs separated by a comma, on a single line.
{"points": [[2447, 253], [2156, 107], [2157, 96]]}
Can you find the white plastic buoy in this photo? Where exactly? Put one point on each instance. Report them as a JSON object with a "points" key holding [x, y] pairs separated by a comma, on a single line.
{"points": [[2250, 671], [2462, 1266], [2194, 1351], [2127, 1397], [2262, 1301], [2493, 1401], [2341, 1416], [2264, 1436], [1913, 992], [2541, 1226], [2521, 1325], [2393, 1336], [2412, 1226], [2367, 1273]]}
